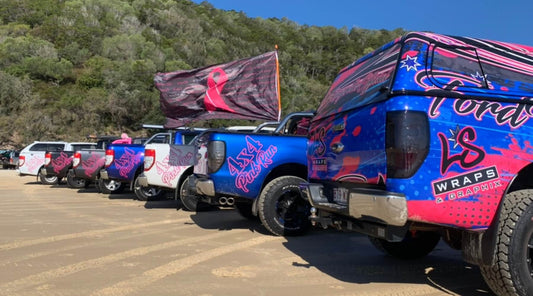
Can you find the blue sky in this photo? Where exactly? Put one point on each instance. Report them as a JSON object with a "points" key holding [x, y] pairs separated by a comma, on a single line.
{"points": [[509, 21]]}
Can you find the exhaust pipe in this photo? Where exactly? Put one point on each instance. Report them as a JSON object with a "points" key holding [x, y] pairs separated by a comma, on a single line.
{"points": [[226, 201]]}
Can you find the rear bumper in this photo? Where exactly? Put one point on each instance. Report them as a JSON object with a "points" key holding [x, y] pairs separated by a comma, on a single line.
{"points": [[389, 207]]}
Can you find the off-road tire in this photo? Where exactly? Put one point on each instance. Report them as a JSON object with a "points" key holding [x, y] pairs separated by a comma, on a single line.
{"points": [[146, 193], [190, 202], [512, 272], [48, 180], [75, 182], [282, 208], [107, 186], [415, 245]]}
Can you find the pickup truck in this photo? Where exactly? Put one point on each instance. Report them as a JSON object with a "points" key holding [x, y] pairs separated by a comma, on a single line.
{"points": [[429, 138], [58, 163], [168, 165], [86, 163], [32, 158], [257, 173], [124, 164]]}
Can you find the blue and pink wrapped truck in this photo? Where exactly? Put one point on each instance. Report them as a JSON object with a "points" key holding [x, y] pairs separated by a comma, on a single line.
{"points": [[257, 173], [429, 137], [124, 163]]}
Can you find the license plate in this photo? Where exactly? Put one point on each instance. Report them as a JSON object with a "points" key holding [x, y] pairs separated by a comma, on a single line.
{"points": [[340, 195]]}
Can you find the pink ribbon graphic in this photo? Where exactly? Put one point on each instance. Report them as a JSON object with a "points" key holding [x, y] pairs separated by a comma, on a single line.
{"points": [[213, 100]]}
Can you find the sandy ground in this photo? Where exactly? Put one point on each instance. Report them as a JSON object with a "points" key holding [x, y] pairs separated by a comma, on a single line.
{"points": [[60, 241]]}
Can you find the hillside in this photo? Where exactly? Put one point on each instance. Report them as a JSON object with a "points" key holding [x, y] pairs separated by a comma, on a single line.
{"points": [[69, 68]]}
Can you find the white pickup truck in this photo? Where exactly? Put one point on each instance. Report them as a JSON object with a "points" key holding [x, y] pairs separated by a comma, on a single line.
{"points": [[32, 158], [165, 164]]}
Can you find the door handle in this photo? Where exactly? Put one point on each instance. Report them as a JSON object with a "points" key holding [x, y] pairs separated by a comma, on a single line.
{"points": [[337, 147]]}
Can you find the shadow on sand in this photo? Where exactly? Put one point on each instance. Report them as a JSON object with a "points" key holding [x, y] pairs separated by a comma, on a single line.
{"points": [[351, 258]]}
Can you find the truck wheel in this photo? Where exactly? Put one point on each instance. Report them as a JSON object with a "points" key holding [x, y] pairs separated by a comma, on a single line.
{"points": [[414, 245], [282, 208], [146, 193], [512, 272], [75, 182], [190, 202], [48, 179], [245, 209], [110, 186]]}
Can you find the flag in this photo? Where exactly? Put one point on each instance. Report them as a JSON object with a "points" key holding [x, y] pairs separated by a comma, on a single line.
{"points": [[241, 89]]}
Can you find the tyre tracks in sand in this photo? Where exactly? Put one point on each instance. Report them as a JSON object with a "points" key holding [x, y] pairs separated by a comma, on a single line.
{"points": [[119, 247], [127, 286]]}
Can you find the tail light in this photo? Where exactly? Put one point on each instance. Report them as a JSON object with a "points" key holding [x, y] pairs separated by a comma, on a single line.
{"points": [[149, 159], [47, 158], [109, 157], [216, 153], [76, 160], [22, 160], [407, 142]]}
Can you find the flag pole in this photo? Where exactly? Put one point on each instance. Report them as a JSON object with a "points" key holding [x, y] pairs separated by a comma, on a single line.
{"points": [[278, 83]]}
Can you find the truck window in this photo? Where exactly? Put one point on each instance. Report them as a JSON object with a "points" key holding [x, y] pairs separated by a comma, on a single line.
{"points": [[360, 83], [188, 138], [457, 67], [77, 147], [102, 144], [514, 76], [47, 147], [160, 139], [56, 147], [460, 67], [39, 147]]}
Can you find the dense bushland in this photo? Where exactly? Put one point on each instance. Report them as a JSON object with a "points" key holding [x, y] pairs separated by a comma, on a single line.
{"points": [[69, 68]]}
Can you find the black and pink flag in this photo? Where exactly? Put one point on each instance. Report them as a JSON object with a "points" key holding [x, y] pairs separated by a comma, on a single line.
{"points": [[242, 89]]}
